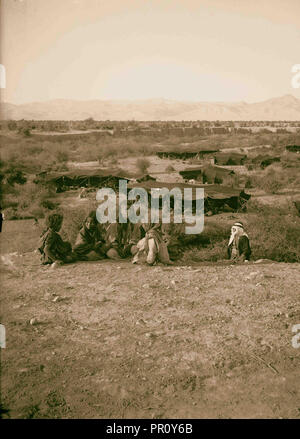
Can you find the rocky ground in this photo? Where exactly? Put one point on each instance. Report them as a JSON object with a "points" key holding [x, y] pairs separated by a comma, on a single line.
{"points": [[115, 340]]}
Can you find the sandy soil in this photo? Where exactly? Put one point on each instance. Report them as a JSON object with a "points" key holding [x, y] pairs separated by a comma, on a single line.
{"points": [[115, 340]]}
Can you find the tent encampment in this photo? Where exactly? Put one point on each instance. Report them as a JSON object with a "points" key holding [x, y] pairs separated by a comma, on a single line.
{"points": [[217, 198]]}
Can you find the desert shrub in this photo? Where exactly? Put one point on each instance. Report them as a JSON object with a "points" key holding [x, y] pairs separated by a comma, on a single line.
{"points": [[47, 204], [26, 132], [113, 161], [210, 245], [271, 184], [170, 168], [275, 235], [62, 156], [248, 183], [210, 253], [16, 177], [12, 125], [10, 213], [36, 212], [27, 200], [142, 164]]}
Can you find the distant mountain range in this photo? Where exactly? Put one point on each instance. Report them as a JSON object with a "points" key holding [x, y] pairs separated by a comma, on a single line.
{"points": [[281, 108]]}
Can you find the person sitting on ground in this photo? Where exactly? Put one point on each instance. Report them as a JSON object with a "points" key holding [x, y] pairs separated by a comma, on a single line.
{"points": [[120, 240], [152, 248], [90, 242], [130, 235], [53, 248], [238, 246]]}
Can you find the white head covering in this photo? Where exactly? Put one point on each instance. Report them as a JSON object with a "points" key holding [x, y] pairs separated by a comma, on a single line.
{"points": [[237, 230]]}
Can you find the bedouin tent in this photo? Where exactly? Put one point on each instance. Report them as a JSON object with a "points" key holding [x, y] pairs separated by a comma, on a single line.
{"points": [[82, 178], [297, 205], [265, 160], [184, 155], [293, 148], [217, 198], [145, 177], [229, 159], [207, 174]]}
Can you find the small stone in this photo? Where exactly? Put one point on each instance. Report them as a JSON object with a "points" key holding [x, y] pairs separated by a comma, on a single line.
{"points": [[140, 322], [33, 321]]}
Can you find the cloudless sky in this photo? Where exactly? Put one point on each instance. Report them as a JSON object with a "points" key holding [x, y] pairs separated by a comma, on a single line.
{"points": [[199, 50]]}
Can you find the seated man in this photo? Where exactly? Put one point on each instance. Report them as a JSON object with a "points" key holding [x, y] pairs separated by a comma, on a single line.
{"points": [[239, 246], [152, 248], [130, 235], [90, 242], [53, 248], [113, 233], [121, 239]]}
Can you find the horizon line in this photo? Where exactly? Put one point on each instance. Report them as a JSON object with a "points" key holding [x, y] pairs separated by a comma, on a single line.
{"points": [[149, 99]]}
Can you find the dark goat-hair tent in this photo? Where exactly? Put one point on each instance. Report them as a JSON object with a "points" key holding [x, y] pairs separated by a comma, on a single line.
{"points": [[82, 178], [293, 148], [232, 158], [268, 161], [216, 197], [184, 155], [207, 174], [145, 177], [265, 160], [297, 205]]}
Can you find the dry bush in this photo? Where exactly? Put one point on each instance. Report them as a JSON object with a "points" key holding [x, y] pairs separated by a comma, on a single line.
{"points": [[27, 201], [142, 164], [170, 169], [275, 234]]}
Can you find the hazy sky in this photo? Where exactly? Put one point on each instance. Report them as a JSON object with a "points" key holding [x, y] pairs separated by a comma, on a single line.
{"points": [[200, 50]]}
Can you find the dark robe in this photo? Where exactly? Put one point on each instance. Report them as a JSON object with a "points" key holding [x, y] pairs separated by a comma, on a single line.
{"points": [[243, 249], [89, 240], [53, 248]]}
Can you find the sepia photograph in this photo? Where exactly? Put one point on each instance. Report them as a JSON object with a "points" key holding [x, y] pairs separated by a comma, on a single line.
{"points": [[150, 212]]}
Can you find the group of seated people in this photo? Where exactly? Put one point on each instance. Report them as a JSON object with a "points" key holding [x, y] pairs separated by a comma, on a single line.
{"points": [[145, 243]]}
